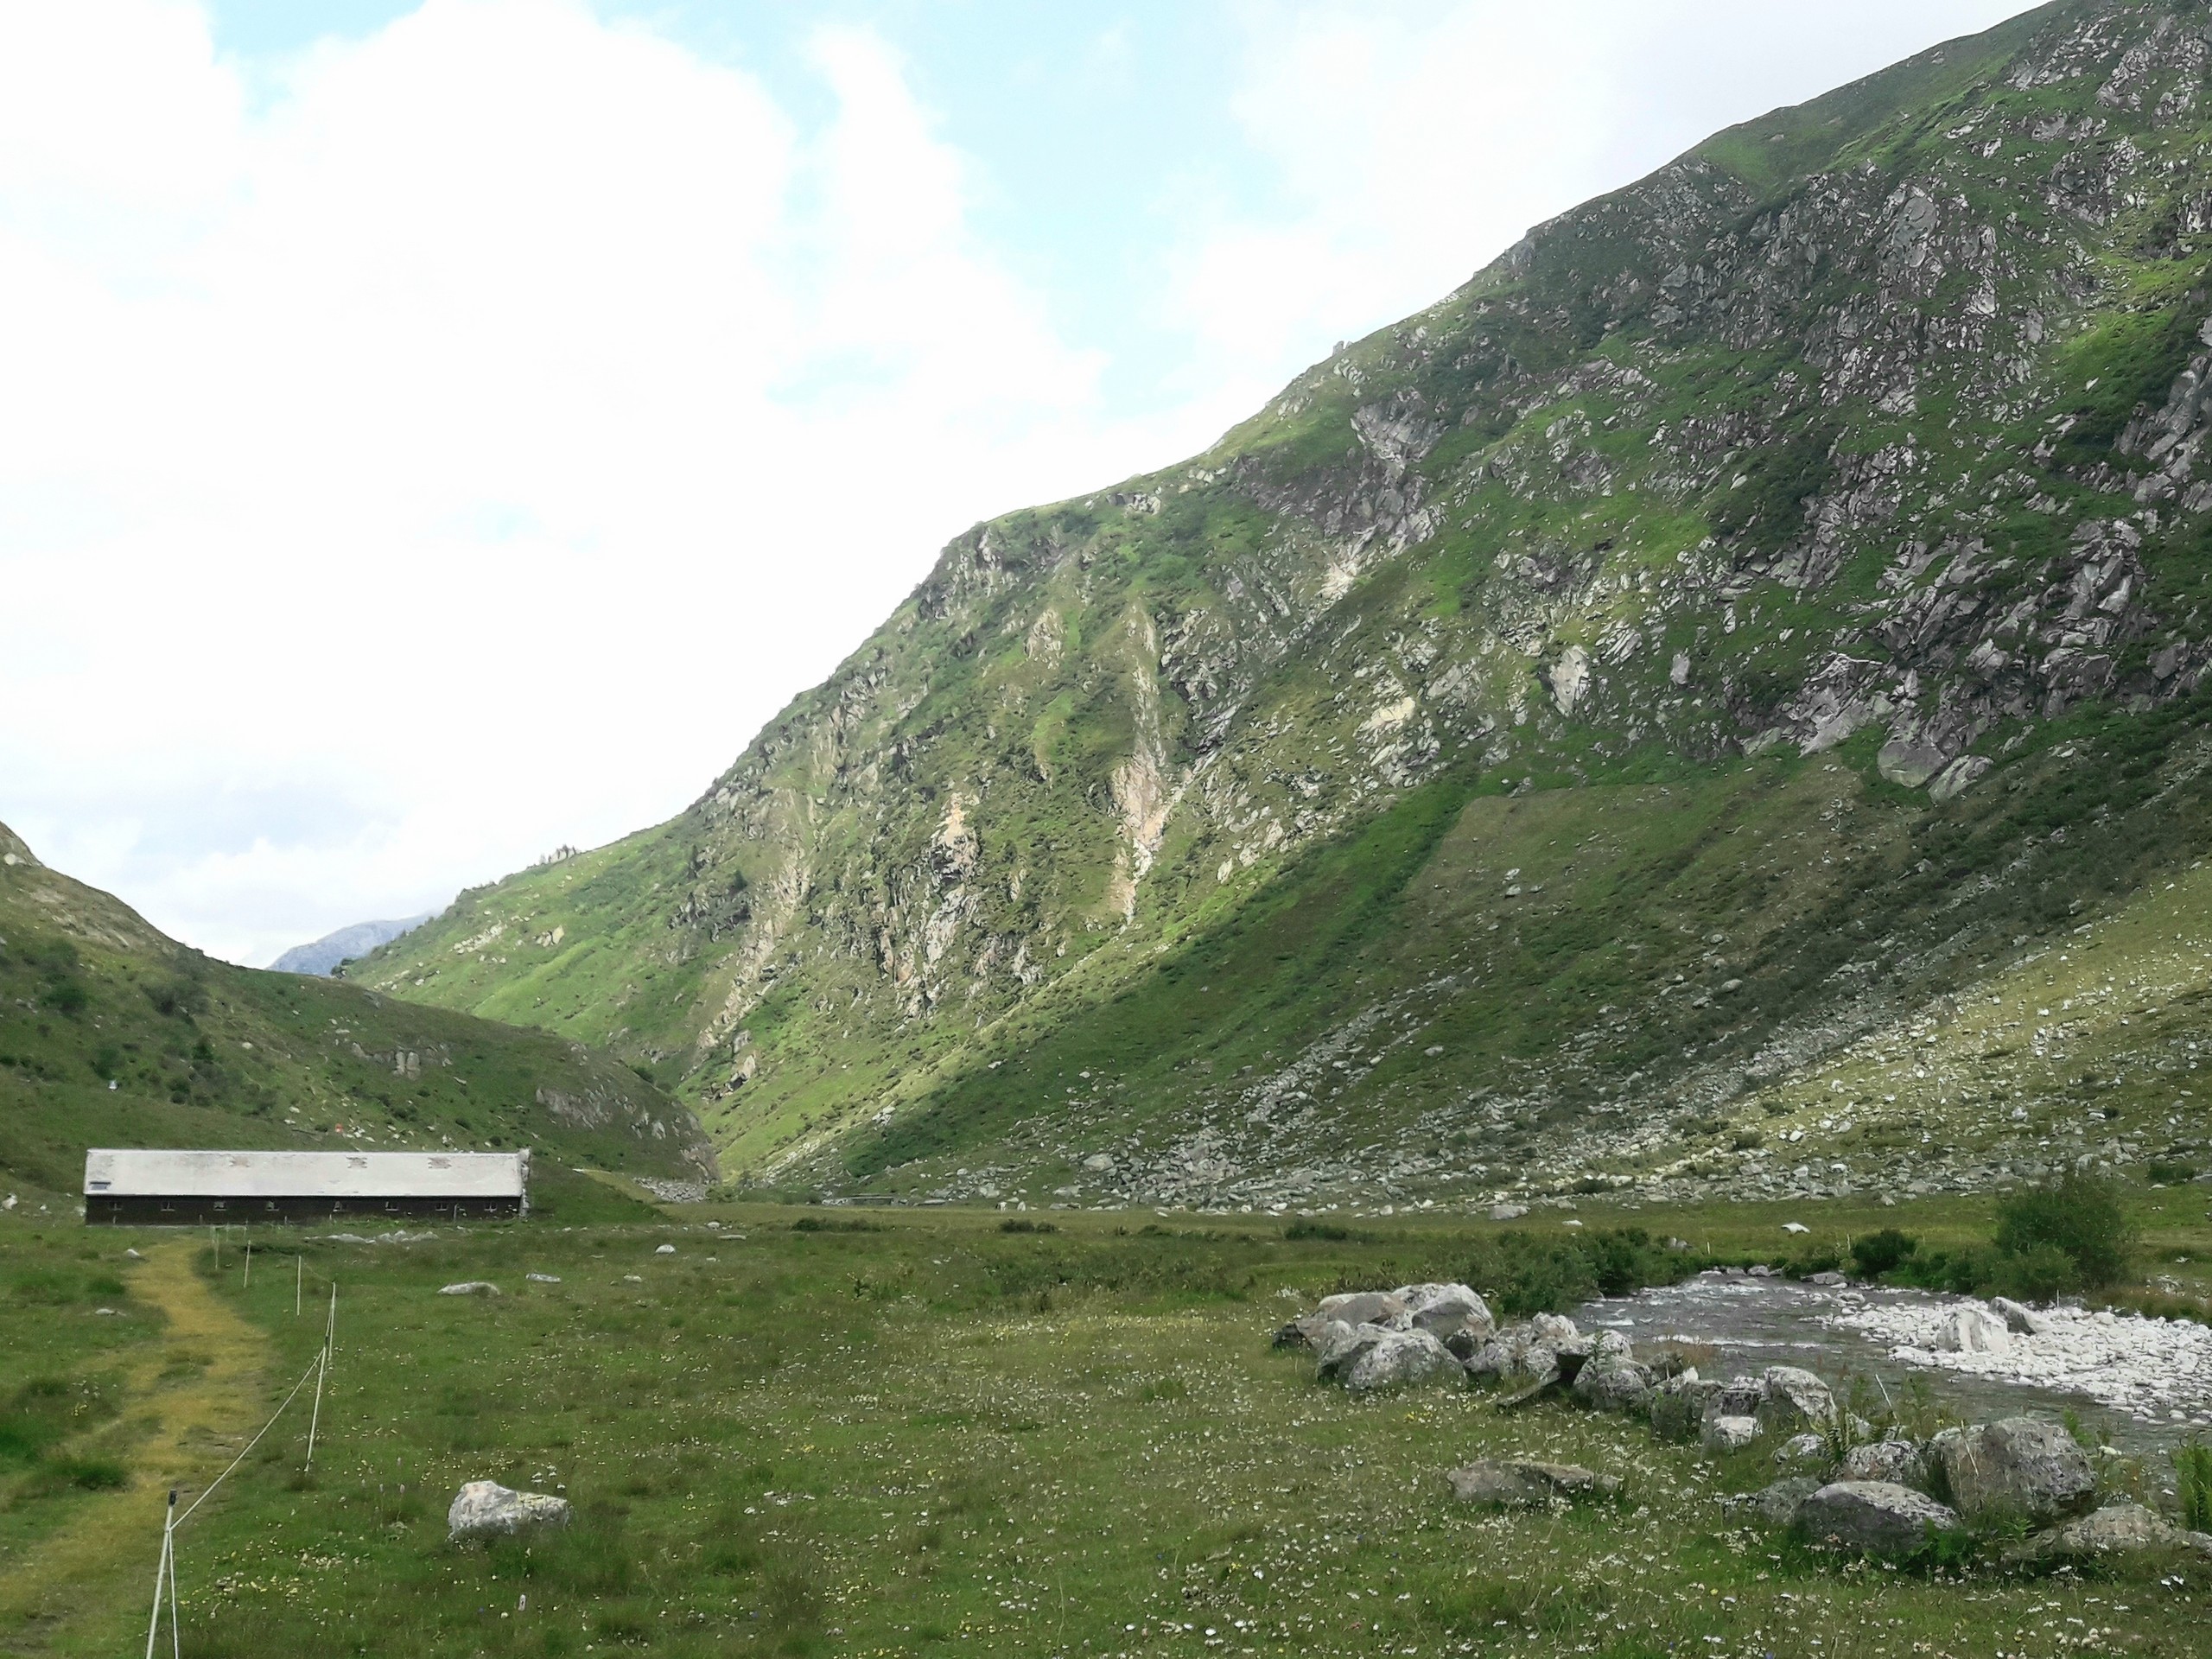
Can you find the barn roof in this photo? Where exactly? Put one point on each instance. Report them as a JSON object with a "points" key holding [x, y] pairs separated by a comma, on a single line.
{"points": [[120, 1173]]}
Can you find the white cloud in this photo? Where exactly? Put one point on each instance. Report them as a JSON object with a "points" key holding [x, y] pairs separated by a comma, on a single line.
{"points": [[457, 441], [1407, 145], [466, 447]]}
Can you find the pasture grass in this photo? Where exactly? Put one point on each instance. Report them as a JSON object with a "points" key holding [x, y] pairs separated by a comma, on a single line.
{"points": [[925, 1434]]}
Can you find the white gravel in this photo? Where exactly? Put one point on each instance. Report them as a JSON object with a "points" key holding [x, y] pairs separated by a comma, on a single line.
{"points": [[2157, 1371]]}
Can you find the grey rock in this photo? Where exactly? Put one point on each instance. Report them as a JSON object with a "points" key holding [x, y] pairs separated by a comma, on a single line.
{"points": [[1808, 1452], [2122, 1528], [1338, 1344], [542, 1278], [1517, 1486], [471, 1288], [2020, 1320], [1400, 1359], [1973, 1329], [1900, 1463], [1677, 1406], [1366, 1307], [1830, 1278], [1720, 1435], [2020, 1466], [1778, 1505], [484, 1509], [1875, 1517], [1793, 1400], [1613, 1382], [1508, 1211], [1445, 1310]]}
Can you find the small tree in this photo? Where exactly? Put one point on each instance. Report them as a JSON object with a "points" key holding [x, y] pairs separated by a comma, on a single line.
{"points": [[2077, 1214]]}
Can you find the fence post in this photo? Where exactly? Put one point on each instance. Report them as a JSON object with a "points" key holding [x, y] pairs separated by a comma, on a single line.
{"points": [[162, 1575]]}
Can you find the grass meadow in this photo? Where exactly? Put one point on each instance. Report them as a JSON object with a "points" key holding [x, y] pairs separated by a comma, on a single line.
{"points": [[815, 1431]]}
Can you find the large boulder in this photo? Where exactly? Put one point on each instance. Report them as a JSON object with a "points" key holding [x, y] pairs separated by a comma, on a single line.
{"points": [[1875, 1517], [1721, 1436], [484, 1509], [1900, 1463], [2020, 1320], [1778, 1505], [1612, 1382], [1807, 1453], [1511, 1485], [1339, 1348], [1399, 1360], [2021, 1467], [1677, 1406], [1973, 1329], [2122, 1528], [1740, 1396], [1445, 1311], [1792, 1401], [1381, 1307], [1526, 1350]]}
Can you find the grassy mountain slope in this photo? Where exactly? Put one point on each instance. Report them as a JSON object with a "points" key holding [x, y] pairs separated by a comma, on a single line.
{"points": [[1766, 604], [200, 1054]]}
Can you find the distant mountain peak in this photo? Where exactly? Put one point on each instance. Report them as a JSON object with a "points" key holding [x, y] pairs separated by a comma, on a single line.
{"points": [[323, 957]]}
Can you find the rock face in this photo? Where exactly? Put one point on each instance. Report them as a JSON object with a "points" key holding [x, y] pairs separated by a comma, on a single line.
{"points": [[2021, 1466], [1528, 1486], [1875, 1517], [1915, 525], [484, 1509]]}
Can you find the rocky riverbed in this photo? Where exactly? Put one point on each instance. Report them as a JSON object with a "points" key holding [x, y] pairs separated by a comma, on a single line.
{"points": [[2146, 1381]]}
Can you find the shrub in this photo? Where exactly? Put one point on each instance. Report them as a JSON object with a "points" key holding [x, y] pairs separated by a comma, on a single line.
{"points": [[1019, 1225], [2041, 1275], [1543, 1277], [2167, 1173], [2077, 1214], [2193, 1467], [1317, 1229], [1883, 1252]]}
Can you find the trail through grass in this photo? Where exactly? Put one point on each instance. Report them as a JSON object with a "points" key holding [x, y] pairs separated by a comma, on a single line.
{"points": [[192, 1400]]}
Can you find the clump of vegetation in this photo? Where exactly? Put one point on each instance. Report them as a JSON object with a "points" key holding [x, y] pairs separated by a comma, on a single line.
{"points": [[1883, 1252], [1021, 1224], [2193, 1468], [1538, 1273], [2079, 1217]]}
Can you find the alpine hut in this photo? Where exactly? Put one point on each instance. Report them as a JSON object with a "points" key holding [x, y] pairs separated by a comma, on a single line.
{"points": [[172, 1188]]}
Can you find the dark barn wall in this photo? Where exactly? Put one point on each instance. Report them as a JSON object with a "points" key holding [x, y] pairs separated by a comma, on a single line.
{"points": [[186, 1210]]}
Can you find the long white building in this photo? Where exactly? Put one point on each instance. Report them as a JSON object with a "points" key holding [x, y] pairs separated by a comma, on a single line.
{"points": [[183, 1188]]}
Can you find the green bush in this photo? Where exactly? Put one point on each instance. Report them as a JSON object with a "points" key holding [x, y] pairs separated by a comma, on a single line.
{"points": [[1539, 1275], [2077, 1214], [1883, 1252], [2043, 1273], [2193, 1466]]}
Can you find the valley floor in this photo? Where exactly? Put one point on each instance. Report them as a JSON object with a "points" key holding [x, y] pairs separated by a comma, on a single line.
{"points": [[824, 1431]]}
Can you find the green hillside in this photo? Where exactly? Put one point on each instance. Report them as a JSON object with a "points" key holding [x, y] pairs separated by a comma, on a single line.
{"points": [[112, 1035], [1672, 681]]}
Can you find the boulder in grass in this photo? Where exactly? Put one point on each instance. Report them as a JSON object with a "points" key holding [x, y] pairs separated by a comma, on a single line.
{"points": [[484, 1509], [1400, 1359], [1721, 1436], [2122, 1528], [1740, 1396], [1778, 1505], [1444, 1311], [1793, 1401], [1677, 1406], [1337, 1344], [1900, 1462], [2020, 1467], [1807, 1452], [1611, 1383], [470, 1287], [1517, 1485], [1380, 1307], [1875, 1517]]}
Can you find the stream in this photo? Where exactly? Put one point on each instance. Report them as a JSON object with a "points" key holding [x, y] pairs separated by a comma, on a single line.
{"points": [[2147, 1384]]}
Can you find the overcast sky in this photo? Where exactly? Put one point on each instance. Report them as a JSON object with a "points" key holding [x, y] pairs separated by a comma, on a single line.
{"points": [[430, 434]]}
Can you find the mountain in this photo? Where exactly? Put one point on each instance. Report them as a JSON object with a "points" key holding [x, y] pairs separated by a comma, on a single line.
{"points": [[1714, 705], [323, 957], [111, 1034]]}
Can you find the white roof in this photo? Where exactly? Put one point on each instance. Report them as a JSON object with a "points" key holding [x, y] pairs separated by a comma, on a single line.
{"points": [[306, 1174]]}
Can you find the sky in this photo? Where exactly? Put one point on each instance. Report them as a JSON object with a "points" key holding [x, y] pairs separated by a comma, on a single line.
{"points": [[433, 433]]}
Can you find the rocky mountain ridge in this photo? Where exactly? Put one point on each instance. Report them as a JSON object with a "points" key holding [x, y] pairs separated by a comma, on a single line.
{"points": [[1767, 603]]}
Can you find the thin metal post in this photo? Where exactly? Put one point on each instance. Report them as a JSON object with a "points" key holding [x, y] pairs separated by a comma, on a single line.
{"points": [[161, 1573], [321, 1370], [249, 1264], [299, 1281], [176, 1624]]}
